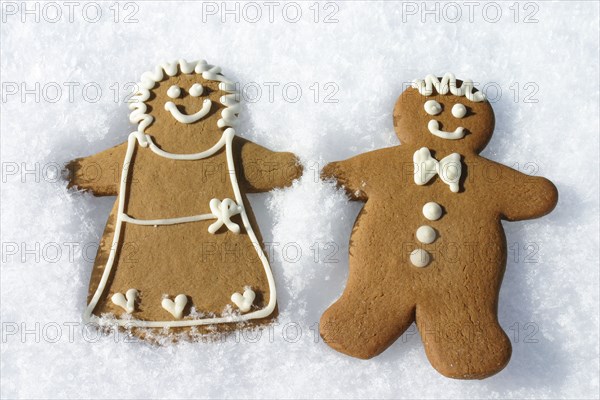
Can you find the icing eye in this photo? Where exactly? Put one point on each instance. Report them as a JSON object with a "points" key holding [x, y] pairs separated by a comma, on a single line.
{"points": [[459, 110], [432, 107], [174, 92], [196, 90]]}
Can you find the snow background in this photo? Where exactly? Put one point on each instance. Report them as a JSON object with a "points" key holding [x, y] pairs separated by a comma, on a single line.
{"points": [[549, 307]]}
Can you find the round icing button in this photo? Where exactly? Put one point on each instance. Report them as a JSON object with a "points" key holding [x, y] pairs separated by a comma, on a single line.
{"points": [[426, 234], [174, 92], [459, 111], [432, 107], [432, 211], [196, 90], [419, 258]]}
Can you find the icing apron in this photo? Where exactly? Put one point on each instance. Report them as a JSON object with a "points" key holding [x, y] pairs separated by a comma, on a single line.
{"points": [[221, 212]]}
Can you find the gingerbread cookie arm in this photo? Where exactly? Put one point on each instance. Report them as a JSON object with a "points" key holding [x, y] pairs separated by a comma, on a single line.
{"points": [[98, 173], [262, 169], [524, 196], [349, 175]]}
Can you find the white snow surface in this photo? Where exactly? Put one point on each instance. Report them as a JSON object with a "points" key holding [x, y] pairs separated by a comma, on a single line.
{"points": [[541, 70]]}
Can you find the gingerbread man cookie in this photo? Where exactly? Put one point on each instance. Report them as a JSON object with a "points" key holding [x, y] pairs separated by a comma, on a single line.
{"points": [[181, 246], [429, 246]]}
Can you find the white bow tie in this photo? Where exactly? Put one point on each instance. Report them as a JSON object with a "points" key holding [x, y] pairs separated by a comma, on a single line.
{"points": [[426, 167]]}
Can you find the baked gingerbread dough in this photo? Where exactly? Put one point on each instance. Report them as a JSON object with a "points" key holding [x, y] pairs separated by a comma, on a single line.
{"points": [[181, 248], [428, 246]]}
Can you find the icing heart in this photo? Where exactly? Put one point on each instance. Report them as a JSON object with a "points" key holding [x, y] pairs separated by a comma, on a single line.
{"points": [[126, 302], [244, 302], [175, 307]]}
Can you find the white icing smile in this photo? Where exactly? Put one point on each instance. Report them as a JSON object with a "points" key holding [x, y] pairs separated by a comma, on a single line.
{"points": [[434, 128], [191, 118]]}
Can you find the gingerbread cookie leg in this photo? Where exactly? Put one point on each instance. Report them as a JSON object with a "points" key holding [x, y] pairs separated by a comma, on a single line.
{"points": [[355, 326], [462, 338]]}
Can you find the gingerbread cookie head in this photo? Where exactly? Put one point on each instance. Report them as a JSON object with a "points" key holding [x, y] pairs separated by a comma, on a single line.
{"points": [[444, 113], [183, 104]]}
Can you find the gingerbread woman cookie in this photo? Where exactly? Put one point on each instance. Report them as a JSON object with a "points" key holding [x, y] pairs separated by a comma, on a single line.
{"points": [[429, 246], [181, 246]]}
